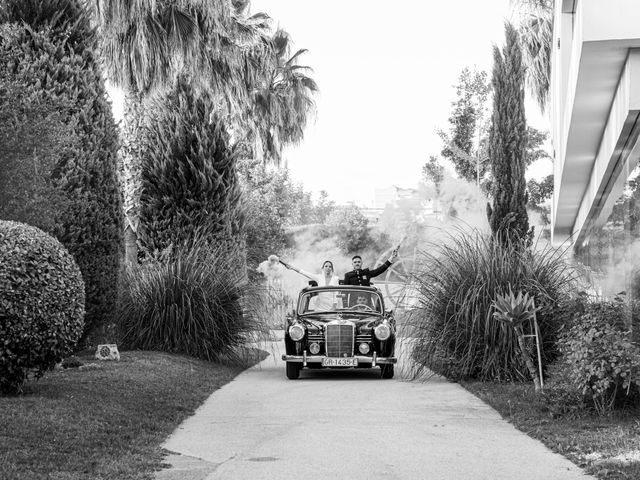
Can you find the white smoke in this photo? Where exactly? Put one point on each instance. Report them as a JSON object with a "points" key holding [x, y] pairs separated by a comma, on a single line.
{"points": [[271, 268]]}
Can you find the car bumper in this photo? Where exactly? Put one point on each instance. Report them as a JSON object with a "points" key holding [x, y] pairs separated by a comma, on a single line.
{"points": [[362, 359]]}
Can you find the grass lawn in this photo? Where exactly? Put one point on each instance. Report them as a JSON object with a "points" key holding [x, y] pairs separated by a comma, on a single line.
{"points": [[606, 447], [106, 420]]}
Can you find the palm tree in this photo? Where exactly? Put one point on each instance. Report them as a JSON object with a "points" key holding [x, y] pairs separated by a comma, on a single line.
{"points": [[285, 102], [146, 45], [536, 36]]}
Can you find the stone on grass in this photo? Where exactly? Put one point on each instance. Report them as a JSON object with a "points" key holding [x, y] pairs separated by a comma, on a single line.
{"points": [[108, 351]]}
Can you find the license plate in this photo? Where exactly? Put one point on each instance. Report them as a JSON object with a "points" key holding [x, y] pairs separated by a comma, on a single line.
{"points": [[339, 362]]}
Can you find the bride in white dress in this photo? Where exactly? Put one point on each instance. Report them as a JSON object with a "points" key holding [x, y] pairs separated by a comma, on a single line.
{"points": [[325, 277], [323, 300]]}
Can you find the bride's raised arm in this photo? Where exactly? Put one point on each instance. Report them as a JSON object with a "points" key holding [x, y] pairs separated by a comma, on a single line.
{"points": [[304, 273]]}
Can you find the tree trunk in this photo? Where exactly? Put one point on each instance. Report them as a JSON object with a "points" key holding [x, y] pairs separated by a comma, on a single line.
{"points": [[130, 171], [130, 246], [527, 359]]}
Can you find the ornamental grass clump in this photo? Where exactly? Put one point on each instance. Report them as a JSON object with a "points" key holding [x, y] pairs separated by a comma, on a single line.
{"points": [[41, 304], [193, 300], [456, 332]]}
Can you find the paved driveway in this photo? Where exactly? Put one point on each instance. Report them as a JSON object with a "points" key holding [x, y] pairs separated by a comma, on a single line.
{"points": [[351, 424]]}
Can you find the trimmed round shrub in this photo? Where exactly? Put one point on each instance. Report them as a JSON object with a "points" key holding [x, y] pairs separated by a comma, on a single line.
{"points": [[41, 306]]}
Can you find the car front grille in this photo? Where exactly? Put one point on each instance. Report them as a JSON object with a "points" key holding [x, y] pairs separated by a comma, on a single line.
{"points": [[339, 339]]}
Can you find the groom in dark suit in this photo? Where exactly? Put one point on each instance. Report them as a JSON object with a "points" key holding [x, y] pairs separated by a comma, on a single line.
{"points": [[362, 276]]}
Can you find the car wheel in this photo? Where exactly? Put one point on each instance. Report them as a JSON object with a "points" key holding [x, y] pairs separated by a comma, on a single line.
{"points": [[387, 371], [293, 370]]}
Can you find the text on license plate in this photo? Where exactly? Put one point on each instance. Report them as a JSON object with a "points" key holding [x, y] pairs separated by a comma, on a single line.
{"points": [[339, 362]]}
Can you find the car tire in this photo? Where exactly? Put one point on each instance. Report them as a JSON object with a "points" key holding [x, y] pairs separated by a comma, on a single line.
{"points": [[293, 370], [386, 371]]}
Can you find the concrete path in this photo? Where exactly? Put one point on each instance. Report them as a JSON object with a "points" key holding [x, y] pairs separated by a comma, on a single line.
{"points": [[351, 424]]}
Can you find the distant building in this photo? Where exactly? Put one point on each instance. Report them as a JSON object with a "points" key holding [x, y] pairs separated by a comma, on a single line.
{"points": [[391, 195], [372, 214], [394, 196], [384, 196]]}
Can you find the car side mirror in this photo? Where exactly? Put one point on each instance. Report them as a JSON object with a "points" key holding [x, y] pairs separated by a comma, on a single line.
{"points": [[313, 283]]}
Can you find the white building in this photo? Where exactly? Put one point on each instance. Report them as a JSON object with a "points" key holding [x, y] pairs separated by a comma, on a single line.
{"points": [[595, 102], [595, 115]]}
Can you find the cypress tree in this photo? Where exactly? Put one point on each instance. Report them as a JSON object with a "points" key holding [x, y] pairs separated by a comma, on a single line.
{"points": [[55, 46], [189, 178], [507, 141]]}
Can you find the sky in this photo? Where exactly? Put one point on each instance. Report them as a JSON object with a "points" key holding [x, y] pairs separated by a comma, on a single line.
{"points": [[386, 73], [386, 76]]}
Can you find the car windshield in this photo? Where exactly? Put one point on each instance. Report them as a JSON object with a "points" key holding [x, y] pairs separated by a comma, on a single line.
{"points": [[340, 300]]}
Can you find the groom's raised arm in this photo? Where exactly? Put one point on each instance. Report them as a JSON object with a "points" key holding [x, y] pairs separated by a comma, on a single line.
{"points": [[377, 271], [381, 269]]}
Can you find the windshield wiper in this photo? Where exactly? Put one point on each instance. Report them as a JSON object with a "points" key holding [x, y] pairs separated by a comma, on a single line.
{"points": [[368, 312], [319, 311]]}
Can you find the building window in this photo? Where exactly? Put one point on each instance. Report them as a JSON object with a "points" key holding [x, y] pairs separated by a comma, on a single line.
{"points": [[611, 251]]}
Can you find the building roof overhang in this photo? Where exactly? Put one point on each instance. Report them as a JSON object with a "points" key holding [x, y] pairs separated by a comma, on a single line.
{"points": [[601, 138], [599, 116]]}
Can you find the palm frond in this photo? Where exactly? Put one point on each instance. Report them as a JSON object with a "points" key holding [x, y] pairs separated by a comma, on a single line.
{"points": [[536, 36]]}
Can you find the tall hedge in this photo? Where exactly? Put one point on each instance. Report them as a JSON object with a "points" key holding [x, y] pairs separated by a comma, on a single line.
{"points": [[48, 47], [32, 138], [189, 178]]}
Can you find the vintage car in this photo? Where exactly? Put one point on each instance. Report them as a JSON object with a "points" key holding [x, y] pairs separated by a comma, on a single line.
{"points": [[340, 327]]}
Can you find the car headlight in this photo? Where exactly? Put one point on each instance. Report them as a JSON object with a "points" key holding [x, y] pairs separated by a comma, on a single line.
{"points": [[296, 332], [364, 348], [314, 348], [382, 331]]}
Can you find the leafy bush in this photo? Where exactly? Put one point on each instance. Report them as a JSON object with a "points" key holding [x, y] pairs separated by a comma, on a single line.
{"points": [[42, 304], [274, 206], [192, 301], [47, 50], [599, 357], [457, 334], [266, 197], [351, 228], [561, 399]]}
